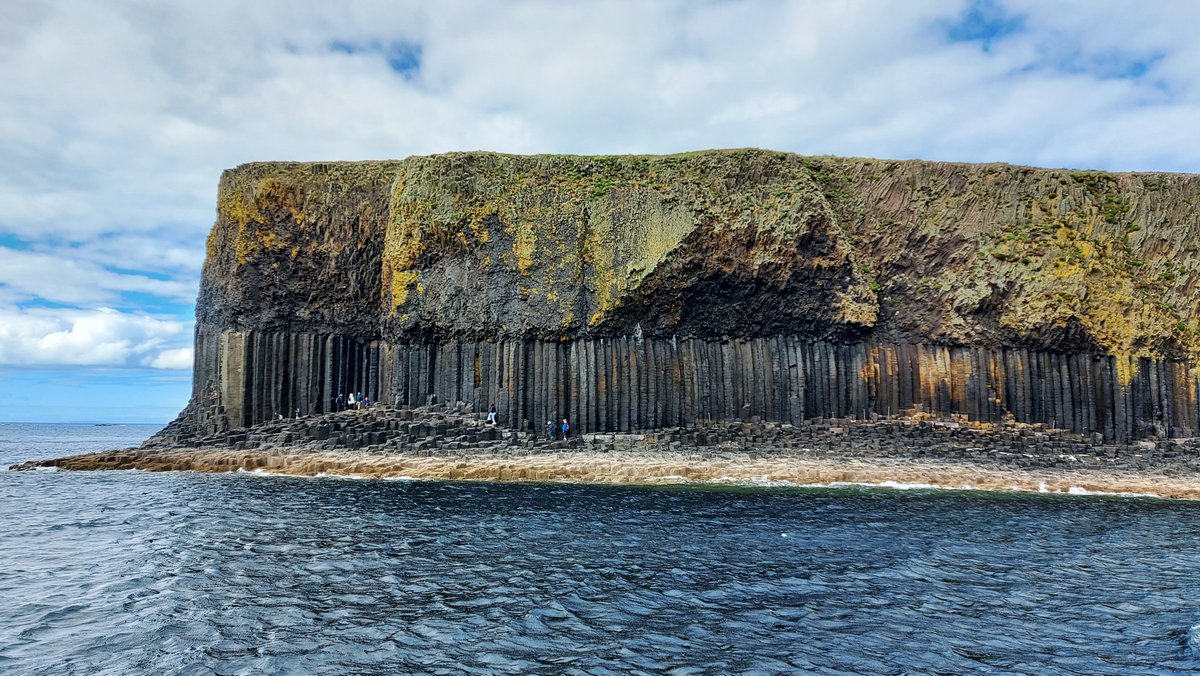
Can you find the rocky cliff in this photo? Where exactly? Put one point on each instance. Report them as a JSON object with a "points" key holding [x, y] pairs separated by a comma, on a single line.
{"points": [[649, 291]]}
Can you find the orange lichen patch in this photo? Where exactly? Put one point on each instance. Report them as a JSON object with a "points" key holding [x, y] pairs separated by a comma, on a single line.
{"points": [[401, 282], [524, 246], [870, 370], [934, 366]]}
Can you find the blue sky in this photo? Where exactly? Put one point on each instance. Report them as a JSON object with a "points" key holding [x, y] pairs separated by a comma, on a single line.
{"points": [[116, 120]]}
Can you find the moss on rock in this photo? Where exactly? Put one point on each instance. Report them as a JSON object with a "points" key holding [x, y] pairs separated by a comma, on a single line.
{"points": [[711, 244]]}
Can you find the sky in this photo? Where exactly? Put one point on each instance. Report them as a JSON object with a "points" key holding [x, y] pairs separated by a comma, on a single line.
{"points": [[117, 118]]}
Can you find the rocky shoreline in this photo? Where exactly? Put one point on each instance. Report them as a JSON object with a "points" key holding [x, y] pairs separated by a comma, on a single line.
{"points": [[453, 443]]}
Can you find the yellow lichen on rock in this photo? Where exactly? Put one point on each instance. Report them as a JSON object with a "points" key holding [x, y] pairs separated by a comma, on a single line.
{"points": [[524, 246], [743, 240]]}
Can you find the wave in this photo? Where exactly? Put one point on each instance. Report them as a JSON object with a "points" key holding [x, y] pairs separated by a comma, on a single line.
{"points": [[1193, 641], [1079, 490], [766, 482], [259, 471]]}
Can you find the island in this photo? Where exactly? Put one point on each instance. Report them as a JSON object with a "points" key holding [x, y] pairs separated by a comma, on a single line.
{"points": [[727, 314]]}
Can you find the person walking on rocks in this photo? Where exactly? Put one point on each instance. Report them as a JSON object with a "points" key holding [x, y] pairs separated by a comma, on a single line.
{"points": [[341, 402], [350, 401], [492, 414], [566, 427], [549, 431]]}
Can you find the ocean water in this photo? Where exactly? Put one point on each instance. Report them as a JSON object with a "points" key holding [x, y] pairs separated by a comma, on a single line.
{"points": [[133, 572]]}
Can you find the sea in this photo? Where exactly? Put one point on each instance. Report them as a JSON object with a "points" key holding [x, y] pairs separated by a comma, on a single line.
{"points": [[176, 573]]}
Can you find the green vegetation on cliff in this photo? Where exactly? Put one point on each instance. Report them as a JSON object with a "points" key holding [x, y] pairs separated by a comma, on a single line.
{"points": [[297, 244], [1066, 260], [559, 245], [712, 244]]}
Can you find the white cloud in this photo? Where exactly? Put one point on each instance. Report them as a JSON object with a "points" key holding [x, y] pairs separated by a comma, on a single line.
{"points": [[102, 337], [179, 358], [61, 278], [120, 117], [157, 252]]}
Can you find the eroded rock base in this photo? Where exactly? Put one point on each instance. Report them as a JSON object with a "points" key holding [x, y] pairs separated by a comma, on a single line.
{"points": [[453, 443], [628, 383]]}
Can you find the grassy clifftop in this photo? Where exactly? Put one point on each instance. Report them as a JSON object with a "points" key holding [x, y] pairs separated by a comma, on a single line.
{"points": [[715, 243]]}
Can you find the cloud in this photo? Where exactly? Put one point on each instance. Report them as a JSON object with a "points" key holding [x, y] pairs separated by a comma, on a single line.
{"points": [[103, 337], [179, 358], [119, 118], [60, 278]]}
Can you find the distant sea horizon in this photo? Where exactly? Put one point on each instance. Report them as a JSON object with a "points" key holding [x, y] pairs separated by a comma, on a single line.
{"points": [[96, 421]]}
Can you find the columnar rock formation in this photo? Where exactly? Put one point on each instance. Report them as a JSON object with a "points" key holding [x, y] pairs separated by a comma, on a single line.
{"points": [[640, 292]]}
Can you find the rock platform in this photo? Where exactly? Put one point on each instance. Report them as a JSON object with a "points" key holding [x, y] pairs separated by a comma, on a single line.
{"points": [[450, 441]]}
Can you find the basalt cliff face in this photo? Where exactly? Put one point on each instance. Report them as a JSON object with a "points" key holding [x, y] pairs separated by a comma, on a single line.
{"points": [[637, 292]]}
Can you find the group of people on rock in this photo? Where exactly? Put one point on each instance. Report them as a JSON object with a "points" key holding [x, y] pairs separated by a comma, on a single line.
{"points": [[553, 432], [352, 401], [565, 428], [355, 401]]}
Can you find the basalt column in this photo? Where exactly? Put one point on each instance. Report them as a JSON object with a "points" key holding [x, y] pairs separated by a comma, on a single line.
{"points": [[261, 374], [599, 384], [630, 384]]}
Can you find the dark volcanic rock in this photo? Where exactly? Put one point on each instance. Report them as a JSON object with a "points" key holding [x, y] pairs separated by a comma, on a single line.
{"points": [[645, 292]]}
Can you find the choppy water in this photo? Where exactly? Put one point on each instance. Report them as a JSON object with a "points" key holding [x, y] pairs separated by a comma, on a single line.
{"points": [[130, 572]]}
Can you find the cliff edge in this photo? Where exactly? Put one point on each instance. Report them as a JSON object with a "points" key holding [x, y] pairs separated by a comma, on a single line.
{"points": [[642, 291]]}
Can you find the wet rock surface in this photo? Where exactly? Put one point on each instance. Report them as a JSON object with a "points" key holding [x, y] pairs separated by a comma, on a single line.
{"points": [[455, 432]]}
